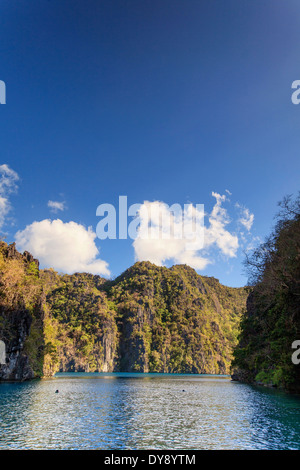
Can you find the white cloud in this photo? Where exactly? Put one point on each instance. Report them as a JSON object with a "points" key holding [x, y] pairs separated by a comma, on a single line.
{"points": [[8, 185], [154, 244], [67, 247], [8, 179], [246, 218], [216, 233], [159, 249], [56, 206], [5, 207]]}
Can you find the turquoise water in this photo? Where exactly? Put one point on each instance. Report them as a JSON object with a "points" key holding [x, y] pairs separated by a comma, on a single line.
{"points": [[146, 411]]}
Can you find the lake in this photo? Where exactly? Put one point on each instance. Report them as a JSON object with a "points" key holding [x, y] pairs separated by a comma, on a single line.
{"points": [[146, 411]]}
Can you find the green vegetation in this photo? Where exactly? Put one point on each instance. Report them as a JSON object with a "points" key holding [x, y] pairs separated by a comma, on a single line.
{"points": [[173, 320], [21, 326], [155, 319], [79, 326], [272, 320], [149, 319]]}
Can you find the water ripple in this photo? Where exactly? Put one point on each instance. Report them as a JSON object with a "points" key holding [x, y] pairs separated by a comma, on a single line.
{"points": [[123, 411]]}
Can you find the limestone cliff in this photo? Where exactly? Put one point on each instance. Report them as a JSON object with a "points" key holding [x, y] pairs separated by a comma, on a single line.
{"points": [[174, 320], [20, 314], [80, 327], [149, 319]]}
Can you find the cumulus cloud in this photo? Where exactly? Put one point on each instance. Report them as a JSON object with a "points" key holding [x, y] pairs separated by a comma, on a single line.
{"points": [[163, 236], [67, 247], [56, 206], [183, 249], [8, 185]]}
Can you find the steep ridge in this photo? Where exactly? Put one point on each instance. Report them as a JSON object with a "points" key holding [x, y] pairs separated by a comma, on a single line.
{"points": [[173, 320]]}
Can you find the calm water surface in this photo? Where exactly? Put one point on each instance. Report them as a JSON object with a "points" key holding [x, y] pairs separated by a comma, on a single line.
{"points": [[146, 411]]}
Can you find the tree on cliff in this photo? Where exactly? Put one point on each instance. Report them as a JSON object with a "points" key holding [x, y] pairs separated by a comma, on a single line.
{"points": [[272, 320]]}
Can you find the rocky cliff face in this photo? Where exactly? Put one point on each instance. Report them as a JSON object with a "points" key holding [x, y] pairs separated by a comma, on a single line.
{"points": [[17, 365], [150, 319], [19, 293], [173, 320], [80, 327]]}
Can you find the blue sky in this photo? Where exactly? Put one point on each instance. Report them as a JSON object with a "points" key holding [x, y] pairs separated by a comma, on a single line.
{"points": [[166, 101]]}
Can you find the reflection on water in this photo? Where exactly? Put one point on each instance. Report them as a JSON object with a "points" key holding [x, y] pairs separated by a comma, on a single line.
{"points": [[146, 411]]}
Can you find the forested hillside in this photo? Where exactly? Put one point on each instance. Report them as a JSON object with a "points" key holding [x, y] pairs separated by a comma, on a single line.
{"points": [[272, 321], [173, 320]]}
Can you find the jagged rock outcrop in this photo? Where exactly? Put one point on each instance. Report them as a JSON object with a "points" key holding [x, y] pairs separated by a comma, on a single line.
{"points": [[11, 252]]}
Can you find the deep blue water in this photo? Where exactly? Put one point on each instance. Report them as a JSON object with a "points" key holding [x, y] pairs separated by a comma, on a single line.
{"points": [[146, 411]]}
